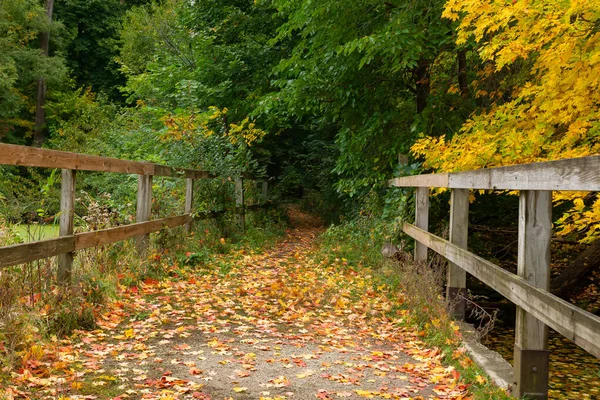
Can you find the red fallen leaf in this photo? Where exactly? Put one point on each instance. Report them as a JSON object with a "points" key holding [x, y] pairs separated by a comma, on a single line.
{"points": [[133, 289], [322, 394], [183, 346], [455, 374], [202, 396], [195, 371], [150, 281]]}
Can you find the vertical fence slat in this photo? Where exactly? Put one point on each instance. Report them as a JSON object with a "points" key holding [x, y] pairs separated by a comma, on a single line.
{"points": [[189, 201], [67, 213], [239, 204], [421, 220], [144, 207], [459, 232], [531, 335], [265, 191]]}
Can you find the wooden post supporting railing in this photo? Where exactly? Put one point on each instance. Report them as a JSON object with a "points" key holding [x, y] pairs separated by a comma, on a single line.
{"points": [[67, 213], [456, 283], [144, 208], [265, 189], [531, 335], [421, 220], [240, 218], [189, 201]]}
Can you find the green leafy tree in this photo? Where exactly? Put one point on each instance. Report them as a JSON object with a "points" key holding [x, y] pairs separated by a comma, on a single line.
{"points": [[91, 54], [376, 72], [22, 63]]}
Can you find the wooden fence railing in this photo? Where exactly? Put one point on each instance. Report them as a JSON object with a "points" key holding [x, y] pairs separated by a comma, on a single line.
{"points": [[537, 309], [67, 243]]}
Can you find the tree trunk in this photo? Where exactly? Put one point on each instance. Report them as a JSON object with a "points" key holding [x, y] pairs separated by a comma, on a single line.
{"points": [[462, 73], [422, 83], [40, 132], [570, 279]]}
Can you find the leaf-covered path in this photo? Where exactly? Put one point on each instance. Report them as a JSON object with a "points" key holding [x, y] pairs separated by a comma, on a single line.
{"points": [[269, 326]]}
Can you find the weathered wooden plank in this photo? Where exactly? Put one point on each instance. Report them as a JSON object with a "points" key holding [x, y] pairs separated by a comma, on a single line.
{"points": [[67, 214], [189, 201], [144, 208], [456, 282], [194, 174], [580, 326], [265, 191], [531, 334], [24, 253], [36, 157], [421, 220], [425, 180], [240, 217], [573, 174], [113, 235], [44, 158], [568, 174]]}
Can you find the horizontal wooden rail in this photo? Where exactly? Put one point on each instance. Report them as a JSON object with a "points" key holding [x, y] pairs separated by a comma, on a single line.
{"points": [[113, 235], [32, 251], [27, 252], [44, 158], [572, 174], [580, 326]]}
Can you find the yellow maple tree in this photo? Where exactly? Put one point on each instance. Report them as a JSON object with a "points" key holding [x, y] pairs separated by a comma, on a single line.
{"points": [[553, 110]]}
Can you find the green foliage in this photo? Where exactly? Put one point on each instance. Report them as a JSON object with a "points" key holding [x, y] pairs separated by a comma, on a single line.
{"points": [[352, 70], [93, 27], [22, 64]]}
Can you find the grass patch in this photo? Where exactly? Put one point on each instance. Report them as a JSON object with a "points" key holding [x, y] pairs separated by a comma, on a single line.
{"points": [[103, 386], [35, 232]]}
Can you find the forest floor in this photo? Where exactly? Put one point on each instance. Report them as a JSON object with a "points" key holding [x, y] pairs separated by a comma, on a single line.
{"points": [[275, 325]]}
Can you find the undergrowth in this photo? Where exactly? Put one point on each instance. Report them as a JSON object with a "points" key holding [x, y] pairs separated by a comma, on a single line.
{"points": [[414, 289]]}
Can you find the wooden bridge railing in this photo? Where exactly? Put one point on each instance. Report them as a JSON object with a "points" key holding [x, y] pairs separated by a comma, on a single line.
{"points": [[537, 309], [67, 243]]}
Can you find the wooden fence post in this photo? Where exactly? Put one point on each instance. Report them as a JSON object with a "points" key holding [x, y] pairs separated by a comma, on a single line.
{"points": [[531, 335], [459, 231], [240, 218], [67, 213], [189, 201], [421, 220], [265, 190], [144, 208]]}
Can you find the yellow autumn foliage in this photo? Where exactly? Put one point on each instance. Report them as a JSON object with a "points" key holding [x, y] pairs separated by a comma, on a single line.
{"points": [[190, 126], [552, 114]]}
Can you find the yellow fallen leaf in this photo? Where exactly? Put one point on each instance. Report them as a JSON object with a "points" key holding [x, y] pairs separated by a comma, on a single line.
{"points": [[305, 374], [76, 385], [240, 389]]}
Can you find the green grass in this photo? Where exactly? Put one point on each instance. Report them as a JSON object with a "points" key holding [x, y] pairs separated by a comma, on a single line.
{"points": [[35, 232]]}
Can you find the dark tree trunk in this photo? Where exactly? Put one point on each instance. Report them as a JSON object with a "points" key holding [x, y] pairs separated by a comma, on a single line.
{"points": [[462, 73], [40, 133], [569, 280], [422, 83]]}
